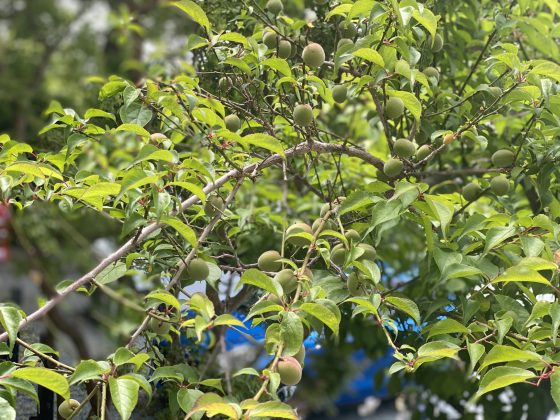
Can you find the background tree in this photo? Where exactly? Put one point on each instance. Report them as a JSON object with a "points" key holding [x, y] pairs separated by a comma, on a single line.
{"points": [[377, 170]]}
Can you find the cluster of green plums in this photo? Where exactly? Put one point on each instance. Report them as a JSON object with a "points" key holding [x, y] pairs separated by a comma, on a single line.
{"points": [[500, 184]]}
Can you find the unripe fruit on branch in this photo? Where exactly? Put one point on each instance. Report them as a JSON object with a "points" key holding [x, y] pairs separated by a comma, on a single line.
{"points": [[274, 6], [158, 326], [437, 43], [158, 137], [233, 123], [471, 191], [342, 42], [224, 83], [313, 55], [289, 370], [394, 108], [300, 355], [287, 280], [370, 254], [270, 39], [268, 261], [284, 49], [352, 235], [198, 269], [303, 115], [295, 229], [404, 148], [328, 225], [338, 254], [339, 93], [495, 91], [67, 408], [448, 138], [214, 205], [274, 299], [347, 29], [355, 284], [499, 185], [393, 167], [423, 152], [503, 158], [432, 72]]}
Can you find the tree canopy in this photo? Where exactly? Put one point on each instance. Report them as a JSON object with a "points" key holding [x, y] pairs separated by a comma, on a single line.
{"points": [[381, 173]]}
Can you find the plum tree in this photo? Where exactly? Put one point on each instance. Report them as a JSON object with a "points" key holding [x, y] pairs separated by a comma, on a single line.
{"points": [[270, 39], [499, 185], [233, 123], [296, 229], [284, 48], [214, 205], [503, 158], [198, 269], [423, 152], [339, 93], [394, 108], [393, 167], [159, 326], [274, 6], [404, 148], [287, 279], [471, 191]]}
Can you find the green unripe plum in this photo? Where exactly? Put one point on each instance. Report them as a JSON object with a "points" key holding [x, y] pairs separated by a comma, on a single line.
{"points": [[393, 167], [214, 205], [423, 152], [300, 355], [307, 273], [339, 93], [295, 229], [338, 254], [499, 185], [325, 208], [289, 370], [313, 55], [233, 123], [328, 225], [503, 158], [268, 261], [432, 72], [274, 6], [347, 29], [284, 49], [370, 254], [303, 115], [352, 235], [198, 269], [404, 148], [437, 44], [270, 39], [394, 108], [471, 191], [67, 408], [159, 327], [355, 285], [342, 42], [287, 280]]}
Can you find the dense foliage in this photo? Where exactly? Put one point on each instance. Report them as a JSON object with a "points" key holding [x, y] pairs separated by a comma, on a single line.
{"points": [[382, 173]]}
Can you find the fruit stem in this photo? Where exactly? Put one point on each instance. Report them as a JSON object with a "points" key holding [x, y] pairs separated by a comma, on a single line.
{"points": [[272, 368]]}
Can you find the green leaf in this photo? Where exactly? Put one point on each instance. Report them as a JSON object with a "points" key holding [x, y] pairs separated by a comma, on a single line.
{"points": [[341, 9], [554, 311], [501, 354], [195, 12], [476, 350], [134, 128], [497, 235], [278, 64], [192, 188], [355, 201], [10, 317], [257, 278], [555, 387], [361, 8], [185, 231], [405, 305], [324, 314], [436, 350], [227, 319], [46, 378], [37, 170], [112, 273], [501, 377], [291, 333], [265, 141], [427, 19], [164, 297], [187, 399], [136, 113], [87, 370], [124, 394], [447, 326], [370, 55], [521, 273], [273, 409], [98, 113], [7, 412]]}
